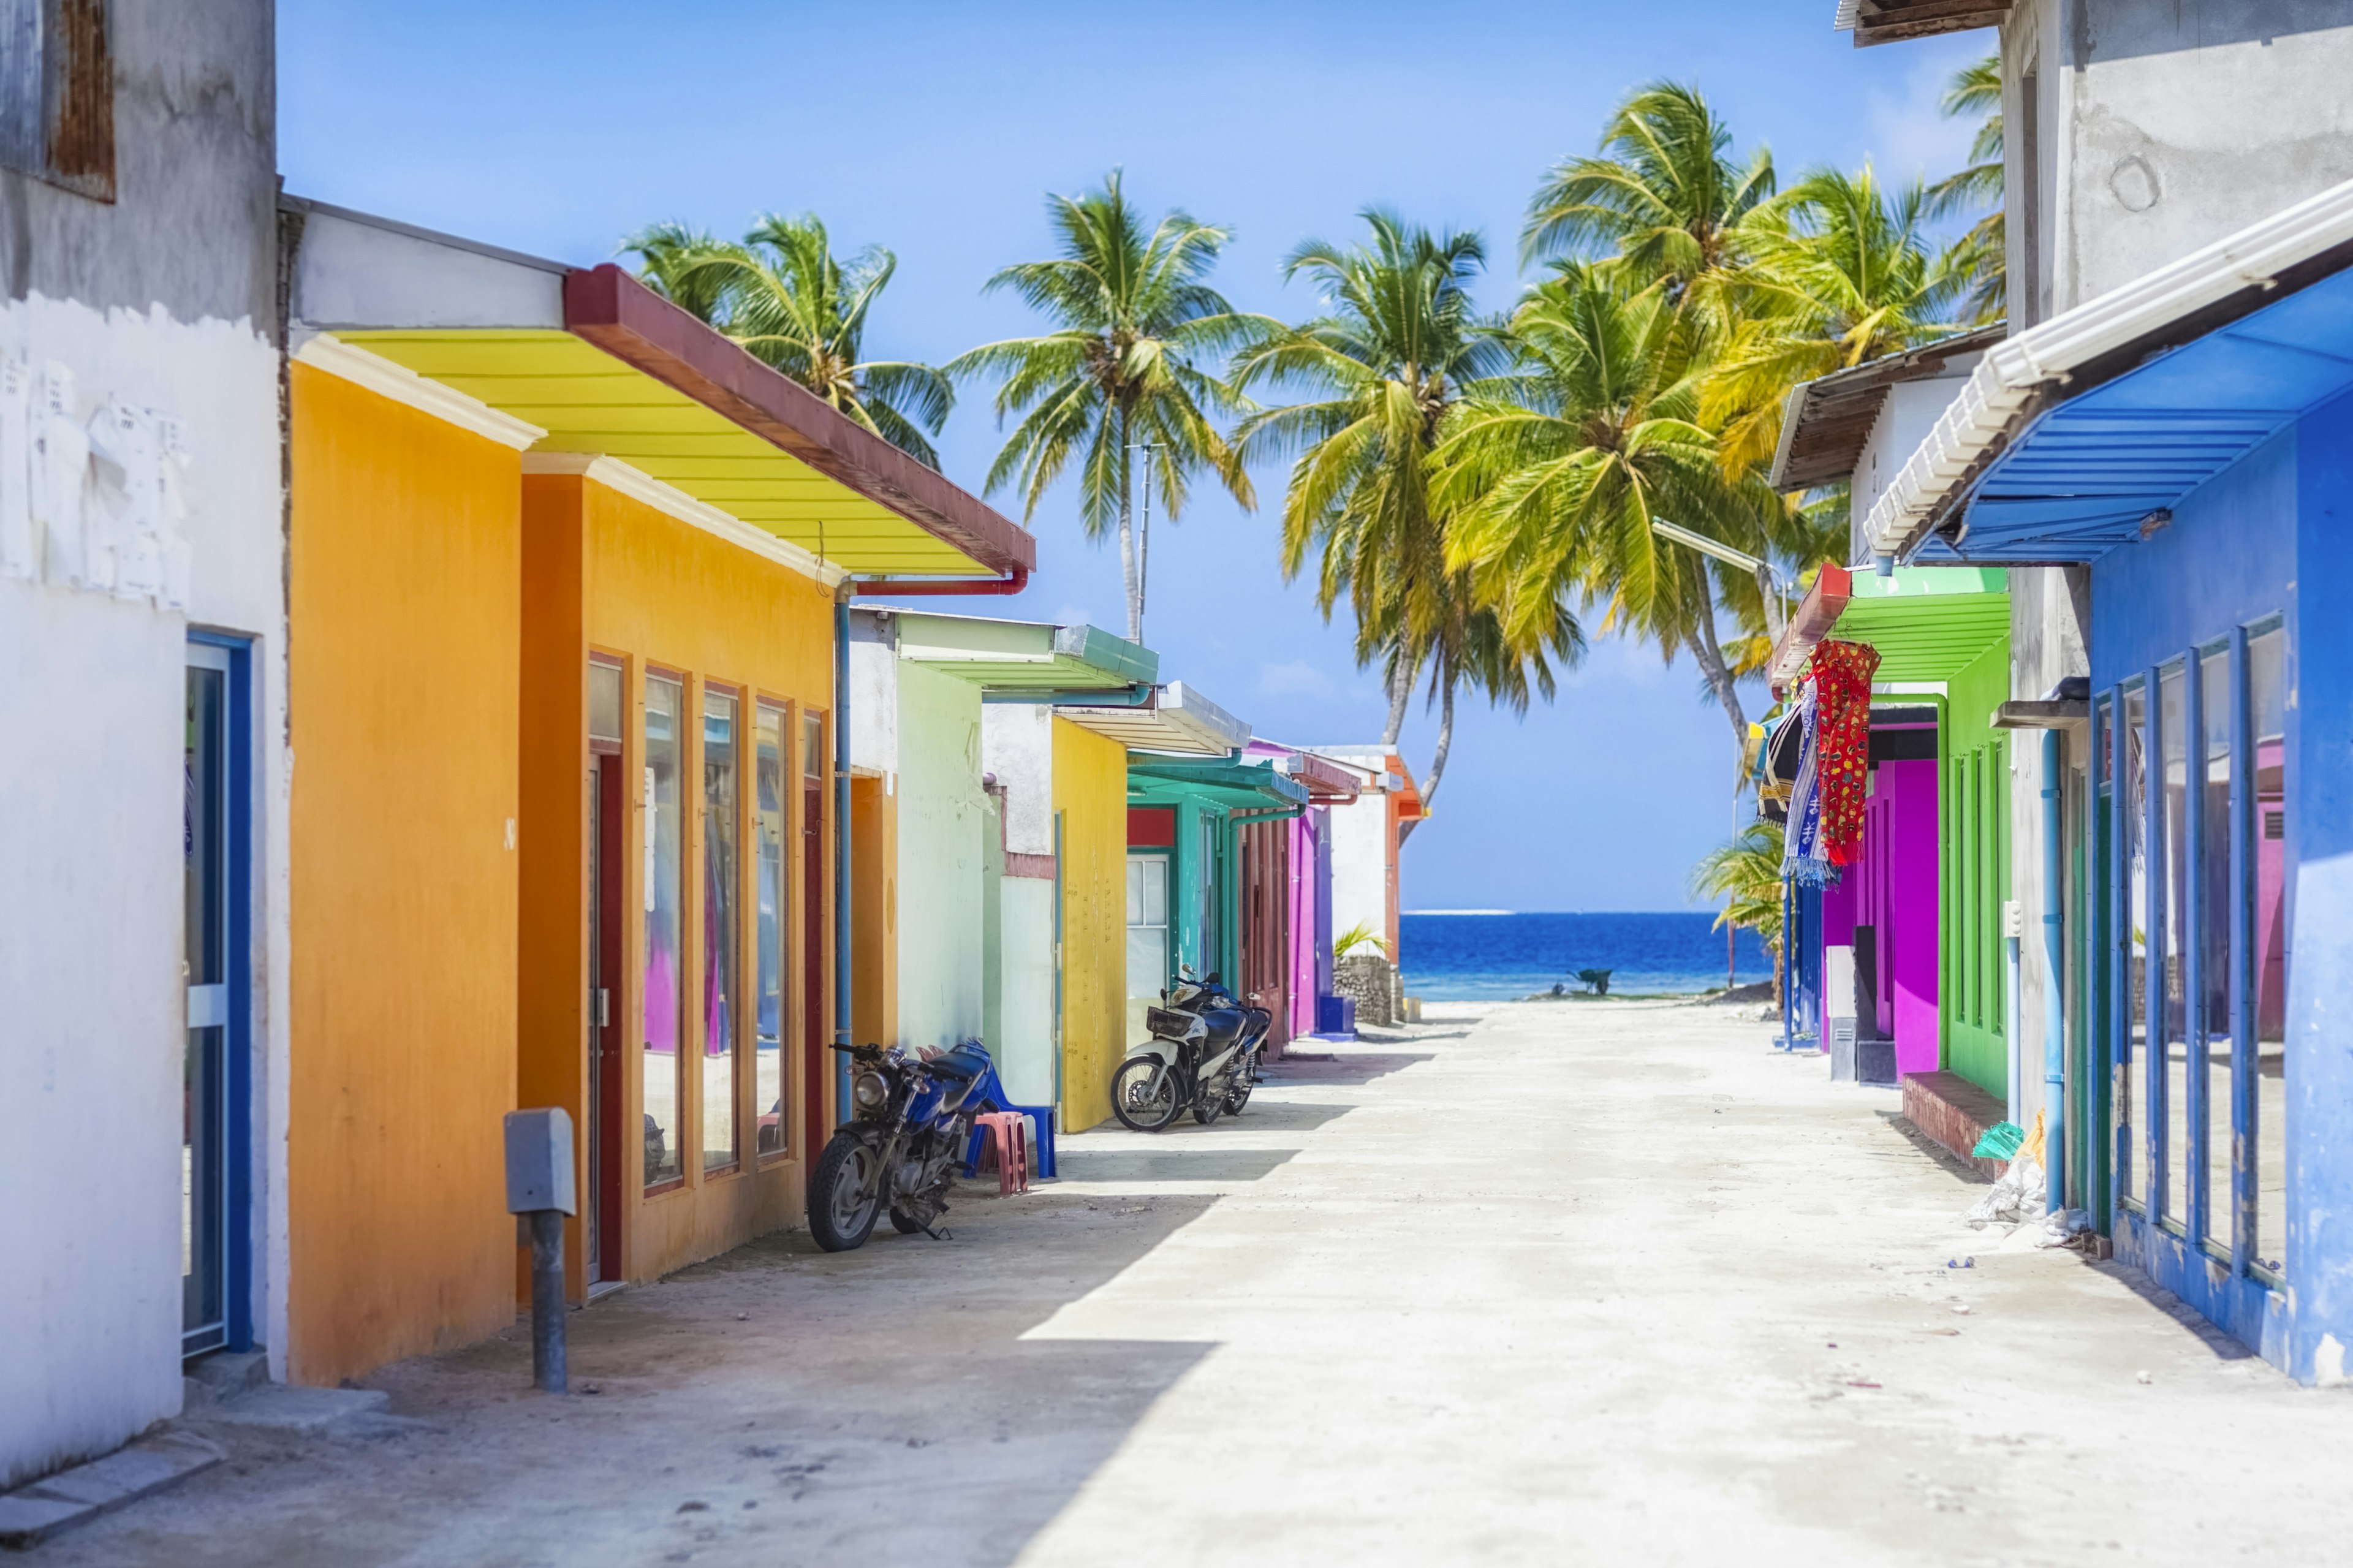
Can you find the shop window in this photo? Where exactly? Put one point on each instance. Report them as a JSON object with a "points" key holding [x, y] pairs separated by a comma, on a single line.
{"points": [[2169, 1087], [721, 929], [2132, 938], [2267, 725], [1147, 925], [661, 983], [2209, 1007], [56, 93], [774, 932]]}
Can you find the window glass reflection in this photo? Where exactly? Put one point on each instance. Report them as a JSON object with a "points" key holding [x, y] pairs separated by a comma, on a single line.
{"points": [[768, 1048], [661, 989], [2267, 719], [721, 929], [2173, 1096], [2211, 1014]]}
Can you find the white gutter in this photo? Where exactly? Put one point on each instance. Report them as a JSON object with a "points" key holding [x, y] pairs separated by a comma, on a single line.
{"points": [[2014, 371]]}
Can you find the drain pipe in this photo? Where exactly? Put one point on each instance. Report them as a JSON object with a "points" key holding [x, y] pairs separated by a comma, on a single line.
{"points": [[2054, 1004], [842, 927], [2013, 927]]}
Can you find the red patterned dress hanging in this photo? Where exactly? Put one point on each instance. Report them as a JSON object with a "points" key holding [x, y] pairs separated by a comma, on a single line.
{"points": [[1842, 673]]}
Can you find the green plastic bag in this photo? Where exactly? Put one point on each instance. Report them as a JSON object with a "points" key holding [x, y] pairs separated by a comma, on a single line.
{"points": [[2000, 1141]]}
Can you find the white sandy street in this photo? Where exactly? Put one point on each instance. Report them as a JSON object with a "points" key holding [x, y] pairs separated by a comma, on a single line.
{"points": [[1593, 1282]]}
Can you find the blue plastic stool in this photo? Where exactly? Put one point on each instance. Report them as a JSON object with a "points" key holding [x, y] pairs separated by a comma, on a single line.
{"points": [[1041, 1149]]}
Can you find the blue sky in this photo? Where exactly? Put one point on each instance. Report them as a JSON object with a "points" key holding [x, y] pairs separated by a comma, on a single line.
{"points": [[937, 130]]}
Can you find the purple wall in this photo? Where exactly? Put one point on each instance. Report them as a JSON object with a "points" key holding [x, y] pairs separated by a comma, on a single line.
{"points": [[1892, 888]]}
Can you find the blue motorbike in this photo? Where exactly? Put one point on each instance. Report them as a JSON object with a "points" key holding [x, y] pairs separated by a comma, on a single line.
{"points": [[910, 1121]]}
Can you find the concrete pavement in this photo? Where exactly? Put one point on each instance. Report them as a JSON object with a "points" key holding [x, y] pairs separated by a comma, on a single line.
{"points": [[1579, 1282]]}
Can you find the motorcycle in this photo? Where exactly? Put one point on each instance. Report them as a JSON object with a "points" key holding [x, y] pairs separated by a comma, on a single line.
{"points": [[911, 1123], [1204, 1053]]}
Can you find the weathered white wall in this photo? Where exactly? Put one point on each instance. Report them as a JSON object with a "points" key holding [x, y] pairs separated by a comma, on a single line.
{"points": [[1360, 867], [940, 873], [2159, 126], [92, 1035], [1904, 419], [1018, 748]]}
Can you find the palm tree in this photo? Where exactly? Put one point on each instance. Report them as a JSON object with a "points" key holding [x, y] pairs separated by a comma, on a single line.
{"points": [[1979, 260], [1746, 875], [1396, 351], [1665, 196], [1560, 470], [1844, 272], [783, 294], [1137, 322]]}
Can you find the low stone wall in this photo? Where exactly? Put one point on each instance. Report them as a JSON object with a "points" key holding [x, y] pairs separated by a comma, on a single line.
{"points": [[1365, 979], [1955, 1114]]}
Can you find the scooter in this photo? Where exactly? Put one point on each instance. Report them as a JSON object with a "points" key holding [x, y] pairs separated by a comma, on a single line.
{"points": [[1203, 1053]]}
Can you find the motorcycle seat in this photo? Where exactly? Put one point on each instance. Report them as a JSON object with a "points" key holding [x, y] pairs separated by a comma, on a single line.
{"points": [[959, 1064], [1222, 1024]]}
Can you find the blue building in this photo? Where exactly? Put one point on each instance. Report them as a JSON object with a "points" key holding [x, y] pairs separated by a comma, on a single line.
{"points": [[2184, 445]]}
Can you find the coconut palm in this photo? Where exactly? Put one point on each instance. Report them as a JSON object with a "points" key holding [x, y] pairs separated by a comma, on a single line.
{"points": [[1125, 367], [1979, 260], [1398, 346], [1843, 271], [1560, 470], [1746, 875], [784, 295], [1665, 195]]}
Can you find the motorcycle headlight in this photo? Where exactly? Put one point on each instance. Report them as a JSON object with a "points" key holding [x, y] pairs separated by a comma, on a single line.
{"points": [[870, 1090]]}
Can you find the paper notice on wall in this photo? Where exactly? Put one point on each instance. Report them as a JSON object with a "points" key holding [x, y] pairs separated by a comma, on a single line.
{"points": [[60, 473], [172, 507], [126, 552], [17, 559]]}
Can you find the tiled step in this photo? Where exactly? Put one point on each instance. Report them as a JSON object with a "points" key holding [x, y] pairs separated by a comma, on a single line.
{"points": [[32, 1514]]}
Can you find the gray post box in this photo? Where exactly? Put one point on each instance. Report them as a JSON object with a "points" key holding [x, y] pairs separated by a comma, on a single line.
{"points": [[539, 1160]]}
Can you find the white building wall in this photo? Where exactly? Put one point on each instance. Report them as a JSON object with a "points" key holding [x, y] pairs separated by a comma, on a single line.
{"points": [[1016, 746], [942, 814], [93, 1035], [1360, 891]]}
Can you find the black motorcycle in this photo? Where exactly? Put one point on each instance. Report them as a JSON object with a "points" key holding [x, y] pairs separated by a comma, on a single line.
{"points": [[910, 1126], [1203, 1053]]}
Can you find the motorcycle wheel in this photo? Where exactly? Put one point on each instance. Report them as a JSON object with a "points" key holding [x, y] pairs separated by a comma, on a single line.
{"points": [[1129, 1088], [905, 1225], [1209, 1107], [839, 1216], [1238, 1096]]}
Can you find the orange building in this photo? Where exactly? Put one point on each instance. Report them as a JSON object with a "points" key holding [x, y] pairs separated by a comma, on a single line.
{"points": [[567, 567]]}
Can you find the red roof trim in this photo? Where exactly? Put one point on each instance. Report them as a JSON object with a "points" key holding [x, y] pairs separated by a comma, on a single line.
{"points": [[612, 309], [1825, 602]]}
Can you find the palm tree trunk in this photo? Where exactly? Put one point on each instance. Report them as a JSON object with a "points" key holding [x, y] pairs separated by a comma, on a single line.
{"points": [[1705, 650], [1400, 693], [1127, 574], [1773, 623], [1437, 761]]}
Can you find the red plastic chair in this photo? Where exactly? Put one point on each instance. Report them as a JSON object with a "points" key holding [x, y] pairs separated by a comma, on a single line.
{"points": [[1008, 1140]]}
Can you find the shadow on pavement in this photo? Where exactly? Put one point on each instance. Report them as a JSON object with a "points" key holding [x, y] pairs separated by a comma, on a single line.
{"points": [[1348, 1067], [774, 1404], [1171, 1165]]}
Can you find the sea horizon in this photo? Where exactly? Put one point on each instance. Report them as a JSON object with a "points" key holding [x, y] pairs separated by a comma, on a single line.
{"points": [[1487, 955]]}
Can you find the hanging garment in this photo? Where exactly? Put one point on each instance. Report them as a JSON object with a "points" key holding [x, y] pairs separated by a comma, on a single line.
{"points": [[1840, 673], [1802, 857]]}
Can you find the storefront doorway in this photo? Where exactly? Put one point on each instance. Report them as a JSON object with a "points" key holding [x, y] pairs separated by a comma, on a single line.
{"points": [[216, 838]]}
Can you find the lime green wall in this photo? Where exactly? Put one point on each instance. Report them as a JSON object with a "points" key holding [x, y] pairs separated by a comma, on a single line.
{"points": [[1974, 871]]}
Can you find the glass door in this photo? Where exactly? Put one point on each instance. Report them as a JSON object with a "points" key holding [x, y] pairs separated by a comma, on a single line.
{"points": [[204, 1114]]}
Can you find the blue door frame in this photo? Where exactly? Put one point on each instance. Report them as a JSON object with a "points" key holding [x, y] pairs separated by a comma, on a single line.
{"points": [[238, 1142]]}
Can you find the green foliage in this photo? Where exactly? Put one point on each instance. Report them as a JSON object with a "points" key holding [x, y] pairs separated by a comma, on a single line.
{"points": [[784, 295], [1137, 330], [1746, 874], [1979, 254], [1359, 935]]}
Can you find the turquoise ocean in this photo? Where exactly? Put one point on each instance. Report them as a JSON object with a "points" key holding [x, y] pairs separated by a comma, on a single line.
{"points": [[1496, 955]]}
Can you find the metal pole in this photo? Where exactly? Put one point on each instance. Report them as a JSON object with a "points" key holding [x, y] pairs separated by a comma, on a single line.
{"points": [[842, 969], [1144, 534], [547, 1300], [2054, 1007]]}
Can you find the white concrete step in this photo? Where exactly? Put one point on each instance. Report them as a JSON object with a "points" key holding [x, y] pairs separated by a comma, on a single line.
{"points": [[32, 1514]]}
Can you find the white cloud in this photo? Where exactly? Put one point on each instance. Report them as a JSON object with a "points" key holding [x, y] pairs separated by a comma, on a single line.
{"points": [[1910, 135], [1294, 678]]}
